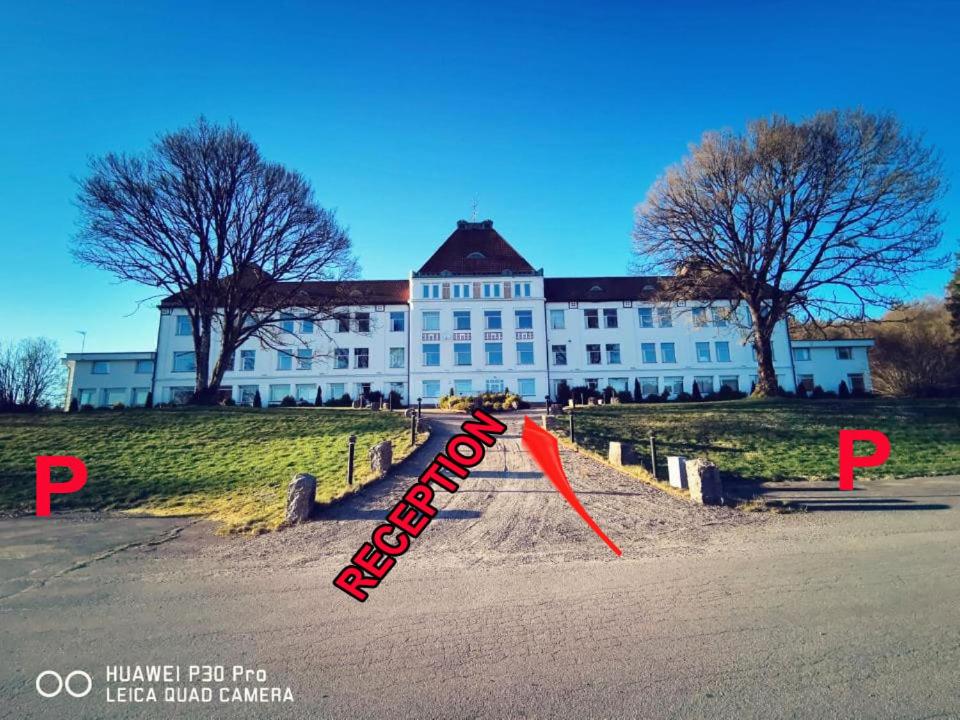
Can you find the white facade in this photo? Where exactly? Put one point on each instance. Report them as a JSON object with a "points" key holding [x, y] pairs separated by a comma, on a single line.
{"points": [[478, 318]]}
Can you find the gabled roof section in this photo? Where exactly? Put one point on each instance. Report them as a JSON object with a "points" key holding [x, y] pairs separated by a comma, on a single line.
{"points": [[475, 248], [349, 292], [600, 289]]}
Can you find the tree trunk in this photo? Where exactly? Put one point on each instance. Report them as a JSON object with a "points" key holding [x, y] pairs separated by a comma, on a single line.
{"points": [[203, 393], [767, 385]]}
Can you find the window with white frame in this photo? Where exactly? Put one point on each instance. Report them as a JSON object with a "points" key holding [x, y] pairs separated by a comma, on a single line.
{"points": [[591, 319], [335, 391], [699, 317], [248, 360], [618, 383], [306, 327], [431, 354], [703, 352], [719, 316], [524, 353], [462, 354], [801, 354], [114, 396], [431, 388], [463, 387], [396, 322], [361, 358], [397, 356], [648, 352], [730, 381], [668, 352], [704, 383], [461, 319], [558, 320], [461, 290], [494, 353], [306, 392], [185, 361], [304, 359], [341, 358], [523, 319], [674, 384], [491, 290], [284, 360], [87, 396], [806, 380], [431, 291], [184, 326], [431, 321], [648, 386], [592, 383], [527, 387], [856, 382], [722, 350], [593, 355], [278, 393], [138, 396], [181, 395], [492, 320], [521, 289], [247, 393], [363, 322], [495, 385], [645, 315], [343, 323], [559, 354], [613, 353], [144, 367], [610, 318], [102, 367], [844, 353], [664, 317], [286, 322]]}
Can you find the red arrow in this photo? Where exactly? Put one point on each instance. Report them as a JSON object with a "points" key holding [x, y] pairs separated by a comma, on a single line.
{"points": [[545, 450]]}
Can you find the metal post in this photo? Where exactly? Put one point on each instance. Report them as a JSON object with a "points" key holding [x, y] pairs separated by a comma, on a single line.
{"points": [[351, 444], [571, 427], [419, 406], [653, 456], [413, 429]]}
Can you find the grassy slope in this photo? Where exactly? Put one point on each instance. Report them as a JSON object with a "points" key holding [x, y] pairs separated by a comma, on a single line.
{"points": [[783, 439], [230, 463]]}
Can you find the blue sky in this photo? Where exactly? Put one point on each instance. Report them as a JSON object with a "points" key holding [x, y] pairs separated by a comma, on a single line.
{"points": [[557, 116]]}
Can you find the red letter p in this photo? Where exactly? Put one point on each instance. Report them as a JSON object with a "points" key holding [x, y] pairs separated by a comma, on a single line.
{"points": [[848, 461], [45, 488]]}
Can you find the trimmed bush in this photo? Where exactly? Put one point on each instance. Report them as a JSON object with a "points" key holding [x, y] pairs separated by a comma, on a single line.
{"points": [[563, 394], [148, 404], [695, 395], [257, 400], [844, 391], [288, 401], [318, 401], [74, 405]]}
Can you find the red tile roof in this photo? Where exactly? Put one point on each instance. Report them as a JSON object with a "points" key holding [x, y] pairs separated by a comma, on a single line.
{"points": [[600, 289], [475, 248], [350, 292]]}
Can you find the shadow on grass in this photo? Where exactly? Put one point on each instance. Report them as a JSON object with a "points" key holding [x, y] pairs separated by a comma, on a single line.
{"points": [[345, 513]]}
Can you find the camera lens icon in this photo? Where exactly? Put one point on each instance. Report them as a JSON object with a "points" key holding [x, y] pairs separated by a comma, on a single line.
{"points": [[57, 684]]}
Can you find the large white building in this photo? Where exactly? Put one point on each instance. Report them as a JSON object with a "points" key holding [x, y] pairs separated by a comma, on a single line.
{"points": [[477, 317]]}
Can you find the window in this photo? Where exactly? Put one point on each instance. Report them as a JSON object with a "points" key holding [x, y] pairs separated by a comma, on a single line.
{"points": [[719, 316], [558, 320], [102, 367], [185, 361], [495, 385], [463, 387], [461, 354], [396, 322], [723, 351], [593, 354], [591, 321], [248, 360], [87, 396], [304, 359], [461, 319], [801, 354], [730, 381], [431, 354], [284, 360], [806, 381], [431, 321], [286, 322], [461, 290], [112, 396], [361, 358], [184, 326], [521, 289], [524, 319], [559, 354], [341, 359], [396, 357], [613, 353], [491, 290], [363, 322], [618, 383], [431, 291], [494, 353], [773, 353], [335, 391], [855, 380], [247, 393], [278, 393], [648, 352], [144, 367], [703, 352], [138, 397], [181, 395], [673, 384], [527, 387], [362, 389], [306, 392], [610, 319], [343, 323], [704, 383], [431, 388], [524, 353], [844, 353], [664, 317], [646, 317], [699, 317], [648, 386], [492, 320], [306, 328], [668, 352], [592, 383]]}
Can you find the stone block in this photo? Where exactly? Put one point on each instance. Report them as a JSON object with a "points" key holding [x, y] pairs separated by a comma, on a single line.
{"points": [[621, 453], [706, 487], [591, 401], [677, 471], [301, 495], [381, 457]]}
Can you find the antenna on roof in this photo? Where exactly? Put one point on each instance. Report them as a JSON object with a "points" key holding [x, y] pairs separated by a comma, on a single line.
{"points": [[83, 342], [473, 217]]}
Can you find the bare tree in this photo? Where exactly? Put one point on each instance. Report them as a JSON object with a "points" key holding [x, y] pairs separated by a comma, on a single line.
{"points": [[30, 374], [822, 219], [236, 240]]}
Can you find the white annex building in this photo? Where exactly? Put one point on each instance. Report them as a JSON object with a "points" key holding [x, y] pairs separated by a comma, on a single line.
{"points": [[477, 317]]}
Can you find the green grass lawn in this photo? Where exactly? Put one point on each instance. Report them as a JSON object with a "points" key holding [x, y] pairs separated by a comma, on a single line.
{"points": [[231, 464], [783, 439]]}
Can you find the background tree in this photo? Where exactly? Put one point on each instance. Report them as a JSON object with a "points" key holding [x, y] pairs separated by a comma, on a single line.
{"points": [[235, 238], [31, 375], [953, 303], [822, 218]]}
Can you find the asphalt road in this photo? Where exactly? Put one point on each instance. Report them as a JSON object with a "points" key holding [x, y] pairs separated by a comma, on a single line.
{"points": [[507, 606]]}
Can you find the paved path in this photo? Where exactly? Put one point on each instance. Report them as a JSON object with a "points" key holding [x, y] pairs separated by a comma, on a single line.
{"points": [[508, 606]]}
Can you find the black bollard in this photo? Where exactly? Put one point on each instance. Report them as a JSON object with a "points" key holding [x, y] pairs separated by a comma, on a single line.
{"points": [[351, 444]]}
